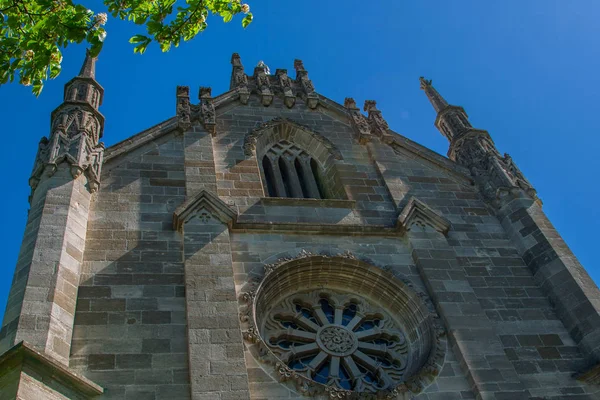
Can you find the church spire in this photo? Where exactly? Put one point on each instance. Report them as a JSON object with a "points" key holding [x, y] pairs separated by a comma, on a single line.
{"points": [[451, 120], [475, 149], [437, 101]]}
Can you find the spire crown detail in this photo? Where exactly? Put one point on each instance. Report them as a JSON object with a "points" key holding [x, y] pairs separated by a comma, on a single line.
{"points": [[437, 101], [88, 69]]}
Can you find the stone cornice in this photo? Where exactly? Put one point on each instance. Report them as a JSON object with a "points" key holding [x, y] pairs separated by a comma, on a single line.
{"points": [[24, 354]]}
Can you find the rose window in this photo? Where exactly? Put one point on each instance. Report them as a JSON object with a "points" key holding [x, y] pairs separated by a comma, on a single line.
{"points": [[338, 340]]}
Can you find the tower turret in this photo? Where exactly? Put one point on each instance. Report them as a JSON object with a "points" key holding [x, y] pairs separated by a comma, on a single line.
{"points": [[41, 305], [474, 148], [76, 128]]}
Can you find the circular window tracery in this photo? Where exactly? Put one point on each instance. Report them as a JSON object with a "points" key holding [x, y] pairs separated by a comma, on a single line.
{"points": [[338, 340], [336, 325]]}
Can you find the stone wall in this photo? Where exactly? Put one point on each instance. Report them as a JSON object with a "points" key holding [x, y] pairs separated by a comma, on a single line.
{"points": [[130, 326]]}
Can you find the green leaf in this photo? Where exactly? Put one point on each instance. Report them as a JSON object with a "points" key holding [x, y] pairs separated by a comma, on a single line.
{"points": [[138, 39], [247, 19], [227, 15]]}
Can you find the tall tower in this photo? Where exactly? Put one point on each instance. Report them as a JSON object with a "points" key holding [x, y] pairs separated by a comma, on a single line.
{"points": [[41, 305], [503, 185]]}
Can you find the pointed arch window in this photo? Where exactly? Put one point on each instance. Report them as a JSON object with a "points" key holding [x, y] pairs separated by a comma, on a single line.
{"points": [[289, 171]]}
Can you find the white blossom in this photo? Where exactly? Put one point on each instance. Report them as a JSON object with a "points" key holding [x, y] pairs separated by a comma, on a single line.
{"points": [[101, 19], [245, 8]]}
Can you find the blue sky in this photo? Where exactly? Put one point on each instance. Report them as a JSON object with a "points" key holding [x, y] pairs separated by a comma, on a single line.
{"points": [[526, 71]]}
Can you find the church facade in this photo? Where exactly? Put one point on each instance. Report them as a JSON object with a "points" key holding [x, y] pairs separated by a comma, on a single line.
{"points": [[270, 243]]}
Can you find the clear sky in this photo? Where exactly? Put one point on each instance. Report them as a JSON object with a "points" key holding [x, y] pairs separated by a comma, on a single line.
{"points": [[526, 71]]}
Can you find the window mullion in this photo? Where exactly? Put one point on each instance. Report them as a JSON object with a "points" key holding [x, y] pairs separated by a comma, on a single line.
{"points": [[294, 182], [279, 185], [309, 178]]}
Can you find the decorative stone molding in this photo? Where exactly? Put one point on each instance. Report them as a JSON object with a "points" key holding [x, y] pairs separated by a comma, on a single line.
{"points": [[309, 95], [284, 123], [204, 206], [207, 110], [426, 349], [378, 125], [183, 109], [416, 213], [359, 122], [70, 142], [239, 80], [285, 83], [263, 86]]}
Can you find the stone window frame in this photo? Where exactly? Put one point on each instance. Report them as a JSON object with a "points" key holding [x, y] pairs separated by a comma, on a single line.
{"points": [[411, 308], [279, 135]]}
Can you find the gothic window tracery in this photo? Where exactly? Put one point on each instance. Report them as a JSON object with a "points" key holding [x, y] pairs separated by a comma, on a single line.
{"points": [[289, 171], [339, 340]]}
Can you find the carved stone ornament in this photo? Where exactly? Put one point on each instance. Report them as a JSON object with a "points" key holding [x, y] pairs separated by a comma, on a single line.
{"points": [[336, 336], [184, 111], [207, 110], [309, 95], [252, 137], [285, 84], [497, 176], [378, 125], [239, 80], [263, 86], [359, 122], [419, 215], [75, 132], [204, 206]]}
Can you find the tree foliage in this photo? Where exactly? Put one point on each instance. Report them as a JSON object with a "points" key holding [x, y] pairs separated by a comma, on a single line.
{"points": [[33, 32]]}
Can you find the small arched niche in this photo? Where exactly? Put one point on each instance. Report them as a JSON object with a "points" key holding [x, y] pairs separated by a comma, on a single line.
{"points": [[294, 161]]}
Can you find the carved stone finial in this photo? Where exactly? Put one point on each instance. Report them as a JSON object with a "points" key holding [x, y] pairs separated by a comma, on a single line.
{"points": [[436, 100], [299, 65], [362, 131], [424, 83], [239, 80], [370, 105], [309, 96], [207, 110], [378, 125], [183, 109], [350, 103], [263, 85], [236, 61], [285, 84], [205, 92], [265, 67]]}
